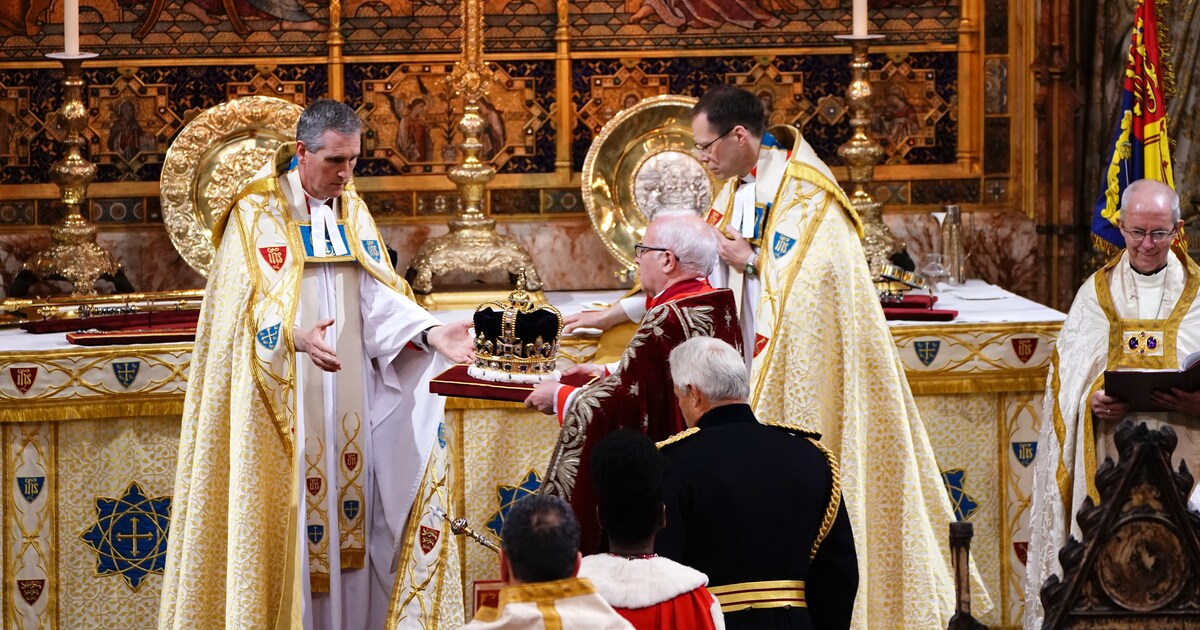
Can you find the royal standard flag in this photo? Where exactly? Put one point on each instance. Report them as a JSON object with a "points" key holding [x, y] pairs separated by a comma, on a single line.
{"points": [[1140, 149]]}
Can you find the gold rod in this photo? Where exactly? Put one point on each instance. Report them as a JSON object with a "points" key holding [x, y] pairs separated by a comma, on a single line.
{"points": [[335, 41], [562, 97]]}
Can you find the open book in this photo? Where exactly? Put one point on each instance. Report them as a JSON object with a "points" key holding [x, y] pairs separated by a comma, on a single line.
{"points": [[1135, 386]]}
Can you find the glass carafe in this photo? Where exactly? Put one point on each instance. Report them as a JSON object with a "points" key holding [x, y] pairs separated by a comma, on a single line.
{"points": [[934, 271]]}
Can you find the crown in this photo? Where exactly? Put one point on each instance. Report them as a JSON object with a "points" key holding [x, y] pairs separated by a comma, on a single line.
{"points": [[516, 341]]}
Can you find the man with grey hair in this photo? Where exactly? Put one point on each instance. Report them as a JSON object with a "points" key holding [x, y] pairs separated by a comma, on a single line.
{"points": [[1139, 312], [676, 254], [727, 475], [283, 515]]}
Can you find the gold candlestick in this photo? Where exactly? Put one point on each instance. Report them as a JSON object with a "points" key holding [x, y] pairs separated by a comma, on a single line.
{"points": [[861, 153], [472, 245], [73, 254]]}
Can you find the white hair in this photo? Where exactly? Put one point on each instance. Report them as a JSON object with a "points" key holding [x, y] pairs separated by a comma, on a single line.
{"points": [[1154, 190], [712, 366], [690, 239]]}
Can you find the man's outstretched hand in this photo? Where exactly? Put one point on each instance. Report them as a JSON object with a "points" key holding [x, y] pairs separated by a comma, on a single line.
{"points": [[312, 342], [453, 341], [600, 320]]}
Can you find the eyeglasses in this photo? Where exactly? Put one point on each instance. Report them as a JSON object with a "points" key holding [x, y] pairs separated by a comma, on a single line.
{"points": [[703, 148], [1137, 235], [639, 249]]}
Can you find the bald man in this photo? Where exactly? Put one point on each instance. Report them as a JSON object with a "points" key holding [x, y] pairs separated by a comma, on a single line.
{"points": [[1138, 312]]}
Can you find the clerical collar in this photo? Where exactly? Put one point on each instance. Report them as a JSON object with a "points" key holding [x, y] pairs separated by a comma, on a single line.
{"points": [[749, 178], [309, 200], [1149, 274]]}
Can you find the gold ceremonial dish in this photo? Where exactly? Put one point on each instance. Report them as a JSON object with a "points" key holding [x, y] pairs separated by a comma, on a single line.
{"points": [[641, 163], [213, 157]]}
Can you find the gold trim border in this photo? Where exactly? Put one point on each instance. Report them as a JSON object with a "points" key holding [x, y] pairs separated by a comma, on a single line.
{"points": [[996, 381], [135, 406]]}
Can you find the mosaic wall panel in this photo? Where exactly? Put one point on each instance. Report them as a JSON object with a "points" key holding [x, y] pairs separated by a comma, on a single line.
{"points": [[411, 117], [915, 97], [135, 113], [673, 24], [182, 28]]}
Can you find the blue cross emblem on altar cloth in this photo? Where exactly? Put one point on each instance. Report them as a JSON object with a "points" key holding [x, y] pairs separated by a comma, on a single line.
{"points": [[126, 372], [927, 351], [268, 337], [508, 495], [964, 504], [316, 533], [1025, 452], [372, 248], [781, 244], [130, 535], [30, 487], [350, 508]]}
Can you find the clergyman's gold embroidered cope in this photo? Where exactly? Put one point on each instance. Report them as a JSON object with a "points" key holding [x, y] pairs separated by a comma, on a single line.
{"points": [[824, 360], [234, 550]]}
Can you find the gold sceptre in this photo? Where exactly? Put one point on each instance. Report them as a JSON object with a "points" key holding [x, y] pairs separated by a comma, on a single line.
{"points": [[460, 528], [861, 153]]}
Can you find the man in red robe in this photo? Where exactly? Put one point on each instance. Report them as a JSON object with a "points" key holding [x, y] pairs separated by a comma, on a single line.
{"points": [[675, 257]]}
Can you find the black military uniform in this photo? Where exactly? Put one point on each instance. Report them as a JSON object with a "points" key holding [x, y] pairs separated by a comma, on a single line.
{"points": [[756, 508]]}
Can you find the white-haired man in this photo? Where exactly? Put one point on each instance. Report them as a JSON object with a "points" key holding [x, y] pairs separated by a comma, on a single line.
{"points": [[309, 355], [728, 474], [820, 351], [1139, 312], [675, 256]]}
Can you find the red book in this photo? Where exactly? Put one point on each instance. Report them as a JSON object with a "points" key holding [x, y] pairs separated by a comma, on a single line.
{"points": [[456, 382]]}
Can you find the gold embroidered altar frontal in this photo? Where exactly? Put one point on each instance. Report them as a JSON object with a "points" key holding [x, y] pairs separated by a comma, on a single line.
{"points": [[90, 441], [88, 467]]}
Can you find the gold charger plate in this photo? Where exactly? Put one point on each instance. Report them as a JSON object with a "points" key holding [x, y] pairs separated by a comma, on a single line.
{"points": [[642, 163], [213, 157]]}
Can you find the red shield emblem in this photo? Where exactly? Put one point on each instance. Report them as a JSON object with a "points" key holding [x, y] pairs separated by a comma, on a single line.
{"points": [[429, 537], [314, 485], [351, 460], [713, 217], [1022, 551], [31, 590], [760, 342], [274, 255], [23, 377], [1024, 347]]}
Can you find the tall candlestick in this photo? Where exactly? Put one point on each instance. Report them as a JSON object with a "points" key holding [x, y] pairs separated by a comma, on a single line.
{"points": [[860, 18], [71, 26]]}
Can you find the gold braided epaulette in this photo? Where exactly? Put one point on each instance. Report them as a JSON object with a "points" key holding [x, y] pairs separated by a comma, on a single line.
{"points": [[835, 497], [791, 428], [678, 436]]}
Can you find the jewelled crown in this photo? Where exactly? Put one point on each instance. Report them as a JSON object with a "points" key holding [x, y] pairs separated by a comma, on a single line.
{"points": [[516, 341]]}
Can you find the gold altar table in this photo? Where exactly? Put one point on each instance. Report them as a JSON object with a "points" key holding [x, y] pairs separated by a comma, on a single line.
{"points": [[90, 437]]}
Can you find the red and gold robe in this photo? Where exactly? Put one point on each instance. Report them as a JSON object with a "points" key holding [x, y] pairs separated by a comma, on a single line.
{"points": [[639, 394]]}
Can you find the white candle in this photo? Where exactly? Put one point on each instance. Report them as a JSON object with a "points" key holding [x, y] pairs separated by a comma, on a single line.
{"points": [[71, 26], [860, 18]]}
